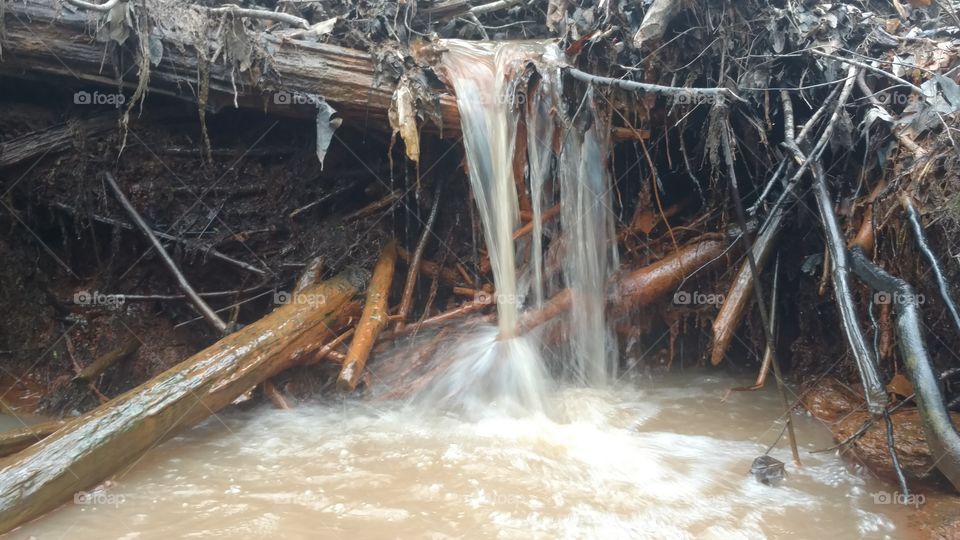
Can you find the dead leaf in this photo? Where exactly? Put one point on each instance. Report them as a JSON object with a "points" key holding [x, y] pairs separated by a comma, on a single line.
{"points": [[403, 118], [900, 386]]}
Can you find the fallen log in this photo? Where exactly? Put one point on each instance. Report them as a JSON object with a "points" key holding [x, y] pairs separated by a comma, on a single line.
{"points": [[54, 139], [633, 289], [43, 38], [98, 366], [373, 320], [14, 441], [98, 444]]}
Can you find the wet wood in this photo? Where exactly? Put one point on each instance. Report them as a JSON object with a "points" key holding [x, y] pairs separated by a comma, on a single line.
{"points": [[98, 366], [43, 39], [546, 216], [372, 321], [634, 289], [14, 441], [274, 395], [431, 269], [54, 139], [102, 442]]}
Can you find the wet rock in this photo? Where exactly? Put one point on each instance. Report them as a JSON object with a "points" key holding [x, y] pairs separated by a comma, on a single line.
{"points": [[767, 470]]}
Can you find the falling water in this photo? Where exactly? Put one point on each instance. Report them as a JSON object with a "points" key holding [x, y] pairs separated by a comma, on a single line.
{"points": [[505, 367], [587, 219]]}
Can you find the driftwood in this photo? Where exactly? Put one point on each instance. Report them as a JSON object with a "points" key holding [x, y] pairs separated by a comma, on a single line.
{"points": [[373, 320], [93, 446], [42, 38]]}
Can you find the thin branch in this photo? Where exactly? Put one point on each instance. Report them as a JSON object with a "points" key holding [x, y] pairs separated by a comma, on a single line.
{"points": [[275, 16], [105, 7], [182, 282], [762, 305], [928, 254], [653, 88]]}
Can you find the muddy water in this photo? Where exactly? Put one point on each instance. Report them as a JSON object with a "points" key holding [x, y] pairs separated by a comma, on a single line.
{"points": [[663, 460]]}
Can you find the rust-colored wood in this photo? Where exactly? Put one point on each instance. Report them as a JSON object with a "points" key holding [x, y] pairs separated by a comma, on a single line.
{"points": [[431, 269], [633, 289], [373, 320]]}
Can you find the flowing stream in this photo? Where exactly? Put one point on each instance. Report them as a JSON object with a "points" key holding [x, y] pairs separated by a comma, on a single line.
{"points": [[668, 460], [518, 436]]}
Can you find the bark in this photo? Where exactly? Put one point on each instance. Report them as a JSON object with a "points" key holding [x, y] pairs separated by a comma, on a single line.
{"points": [[98, 444], [373, 320], [656, 20], [43, 38], [17, 440], [53, 139], [633, 289], [100, 365]]}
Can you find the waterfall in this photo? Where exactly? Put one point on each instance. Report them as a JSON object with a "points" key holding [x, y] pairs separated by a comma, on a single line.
{"points": [[498, 366]]}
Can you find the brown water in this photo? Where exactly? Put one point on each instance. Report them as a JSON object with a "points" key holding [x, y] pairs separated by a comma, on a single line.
{"points": [[658, 460]]}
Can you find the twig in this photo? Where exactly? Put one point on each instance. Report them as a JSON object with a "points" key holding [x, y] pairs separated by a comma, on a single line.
{"points": [[768, 350], [758, 292], [104, 7], [653, 88], [182, 282], [413, 268], [275, 16], [928, 254], [874, 69], [493, 6], [169, 237]]}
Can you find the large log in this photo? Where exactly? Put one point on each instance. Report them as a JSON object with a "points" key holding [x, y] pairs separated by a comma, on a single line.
{"points": [[47, 38], [633, 289], [91, 447]]}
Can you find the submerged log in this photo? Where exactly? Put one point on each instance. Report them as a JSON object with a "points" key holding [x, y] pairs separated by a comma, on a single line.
{"points": [[91, 447]]}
